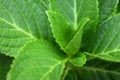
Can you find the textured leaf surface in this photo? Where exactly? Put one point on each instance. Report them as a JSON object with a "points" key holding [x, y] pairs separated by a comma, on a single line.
{"points": [[76, 10], [68, 39], [100, 70], [78, 59], [20, 22], [106, 43], [38, 60], [106, 9], [5, 62]]}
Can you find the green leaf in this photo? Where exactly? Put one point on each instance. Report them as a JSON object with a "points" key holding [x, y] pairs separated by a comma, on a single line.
{"points": [[38, 60], [20, 22], [106, 9], [106, 42], [68, 39], [78, 59], [5, 62], [99, 70], [71, 75], [76, 10], [118, 7]]}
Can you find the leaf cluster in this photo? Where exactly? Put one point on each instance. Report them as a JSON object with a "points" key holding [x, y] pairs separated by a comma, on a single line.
{"points": [[60, 39]]}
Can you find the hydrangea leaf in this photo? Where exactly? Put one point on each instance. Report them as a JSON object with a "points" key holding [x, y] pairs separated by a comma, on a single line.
{"points": [[106, 42], [99, 70], [38, 60], [107, 8], [68, 39], [76, 10], [20, 22]]}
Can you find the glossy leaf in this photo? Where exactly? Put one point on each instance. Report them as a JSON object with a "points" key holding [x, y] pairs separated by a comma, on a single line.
{"points": [[20, 22], [100, 70], [38, 60], [106, 42]]}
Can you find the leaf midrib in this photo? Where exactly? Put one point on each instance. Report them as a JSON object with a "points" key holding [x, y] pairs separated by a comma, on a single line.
{"points": [[50, 70], [75, 15], [19, 29]]}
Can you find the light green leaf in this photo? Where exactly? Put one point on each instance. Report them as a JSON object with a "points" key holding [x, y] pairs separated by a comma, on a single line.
{"points": [[38, 60], [20, 22], [78, 59], [100, 70], [68, 39], [106, 42], [106, 9]]}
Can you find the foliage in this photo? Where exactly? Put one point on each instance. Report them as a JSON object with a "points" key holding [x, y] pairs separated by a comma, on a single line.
{"points": [[60, 39]]}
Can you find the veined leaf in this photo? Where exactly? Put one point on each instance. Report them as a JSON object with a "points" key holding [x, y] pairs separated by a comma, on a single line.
{"points": [[106, 9], [38, 60], [106, 42], [100, 70], [20, 22], [68, 39], [76, 10]]}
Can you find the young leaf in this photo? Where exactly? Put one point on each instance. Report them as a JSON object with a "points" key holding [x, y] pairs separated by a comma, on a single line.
{"points": [[99, 70], [106, 42], [68, 39], [38, 60], [106, 9], [76, 10], [20, 22], [78, 59]]}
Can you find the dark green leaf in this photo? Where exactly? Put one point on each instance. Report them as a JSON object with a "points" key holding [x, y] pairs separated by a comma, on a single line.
{"points": [[99, 70], [5, 62], [107, 8]]}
